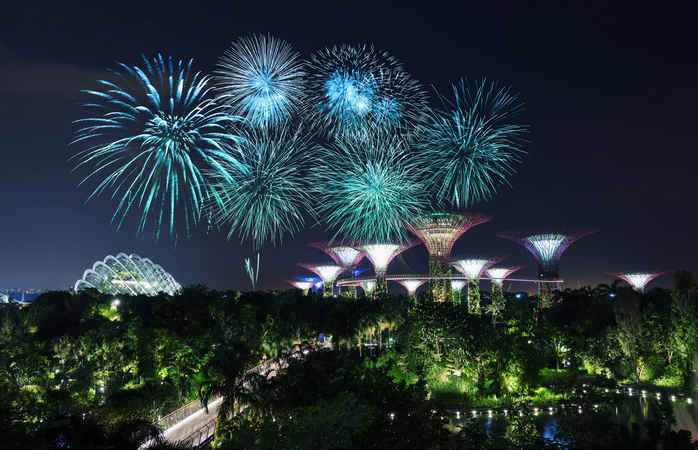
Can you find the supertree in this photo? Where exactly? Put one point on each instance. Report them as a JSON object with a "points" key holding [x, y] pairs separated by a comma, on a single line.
{"points": [[472, 142], [152, 132], [411, 284], [497, 276], [262, 79], [263, 195], [547, 248], [343, 255], [302, 285], [438, 232], [380, 256], [456, 287], [472, 268], [355, 89], [638, 280], [327, 272], [366, 187], [368, 287]]}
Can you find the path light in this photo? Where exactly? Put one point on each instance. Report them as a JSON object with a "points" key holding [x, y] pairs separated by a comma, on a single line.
{"points": [[673, 398], [457, 414], [392, 416], [689, 400]]}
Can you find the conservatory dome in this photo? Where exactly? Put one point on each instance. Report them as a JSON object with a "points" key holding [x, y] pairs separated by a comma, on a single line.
{"points": [[127, 275]]}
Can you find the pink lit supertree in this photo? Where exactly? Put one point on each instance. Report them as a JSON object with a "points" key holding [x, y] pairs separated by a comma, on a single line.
{"points": [[547, 248], [438, 232], [327, 272], [343, 254], [472, 268], [638, 280], [380, 256]]}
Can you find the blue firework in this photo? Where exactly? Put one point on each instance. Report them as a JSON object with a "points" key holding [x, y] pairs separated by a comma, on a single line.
{"points": [[366, 187], [151, 132], [472, 142], [265, 194], [262, 79], [354, 90]]}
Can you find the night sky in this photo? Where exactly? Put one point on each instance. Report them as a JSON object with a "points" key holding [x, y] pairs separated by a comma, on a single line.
{"points": [[610, 94]]}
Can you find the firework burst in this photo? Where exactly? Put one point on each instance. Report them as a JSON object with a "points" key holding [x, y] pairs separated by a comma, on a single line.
{"points": [[473, 142], [155, 128], [261, 78], [366, 187], [264, 194], [354, 89]]}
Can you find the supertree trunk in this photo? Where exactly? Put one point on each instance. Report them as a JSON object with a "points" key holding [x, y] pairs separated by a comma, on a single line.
{"points": [[455, 296], [440, 289], [327, 288], [474, 297], [381, 289], [498, 302]]}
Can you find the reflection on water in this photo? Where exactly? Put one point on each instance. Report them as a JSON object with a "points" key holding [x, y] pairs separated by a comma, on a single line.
{"points": [[685, 416]]}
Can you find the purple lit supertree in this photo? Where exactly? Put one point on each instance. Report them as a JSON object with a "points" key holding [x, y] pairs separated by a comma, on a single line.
{"points": [[380, 256], [343, 255], [327, 272], [497, 276], [472, 268], [438, 232], [638, 280], [547, 248]]}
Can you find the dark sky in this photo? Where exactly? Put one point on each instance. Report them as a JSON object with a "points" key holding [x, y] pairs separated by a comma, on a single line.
{"points": [[610, 93]]}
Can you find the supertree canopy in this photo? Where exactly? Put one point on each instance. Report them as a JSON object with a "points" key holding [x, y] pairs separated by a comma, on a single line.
{"points": [[127, 275], [499, 274], [342, 254], [366, 187], [547, 248], [262, 79], [354, 89], [264, 194], [152, 132], [638, 280], [473, 142], [438, 232], [381, 255], [302, 285], [327, 272], [368, 286], [411, 285]]}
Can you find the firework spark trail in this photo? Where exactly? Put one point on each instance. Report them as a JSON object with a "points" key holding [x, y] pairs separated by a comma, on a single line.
{"points": [[154, 130], [472, 142]]}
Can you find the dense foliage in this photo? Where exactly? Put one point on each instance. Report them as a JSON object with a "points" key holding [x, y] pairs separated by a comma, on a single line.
{"points": [[86, 371]]}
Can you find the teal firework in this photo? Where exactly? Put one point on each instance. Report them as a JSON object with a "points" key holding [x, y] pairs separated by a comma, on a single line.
{"points": [[356, 89], [153, 131], [265, 194], [473, 142], [262, 79], [365, 188]]}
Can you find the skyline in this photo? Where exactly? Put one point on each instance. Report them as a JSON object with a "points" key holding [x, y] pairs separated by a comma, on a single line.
{"points": [[596, 156]]}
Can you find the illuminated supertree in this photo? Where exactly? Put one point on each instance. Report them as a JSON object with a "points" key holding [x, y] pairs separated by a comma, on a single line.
{"points": [[366, 187], [411, 285], [473, 142], [638, 280], [472, 268], [438, 232], [497, 275], [341, 253], [380, 256], [262, 79], [152, 133], [302, 285], [357, 89], [547, 248], [327, 272], [368, 287], [457, 286]]}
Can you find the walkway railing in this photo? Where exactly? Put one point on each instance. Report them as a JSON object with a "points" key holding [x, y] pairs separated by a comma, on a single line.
{"points": [[180, 414], [203, 434]]}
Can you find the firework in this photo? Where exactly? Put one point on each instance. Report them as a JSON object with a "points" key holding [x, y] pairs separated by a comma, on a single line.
{"points": [[355, 89], [365, 188], [473, 142], [261, 79], [264, 194], [154, 130]]}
